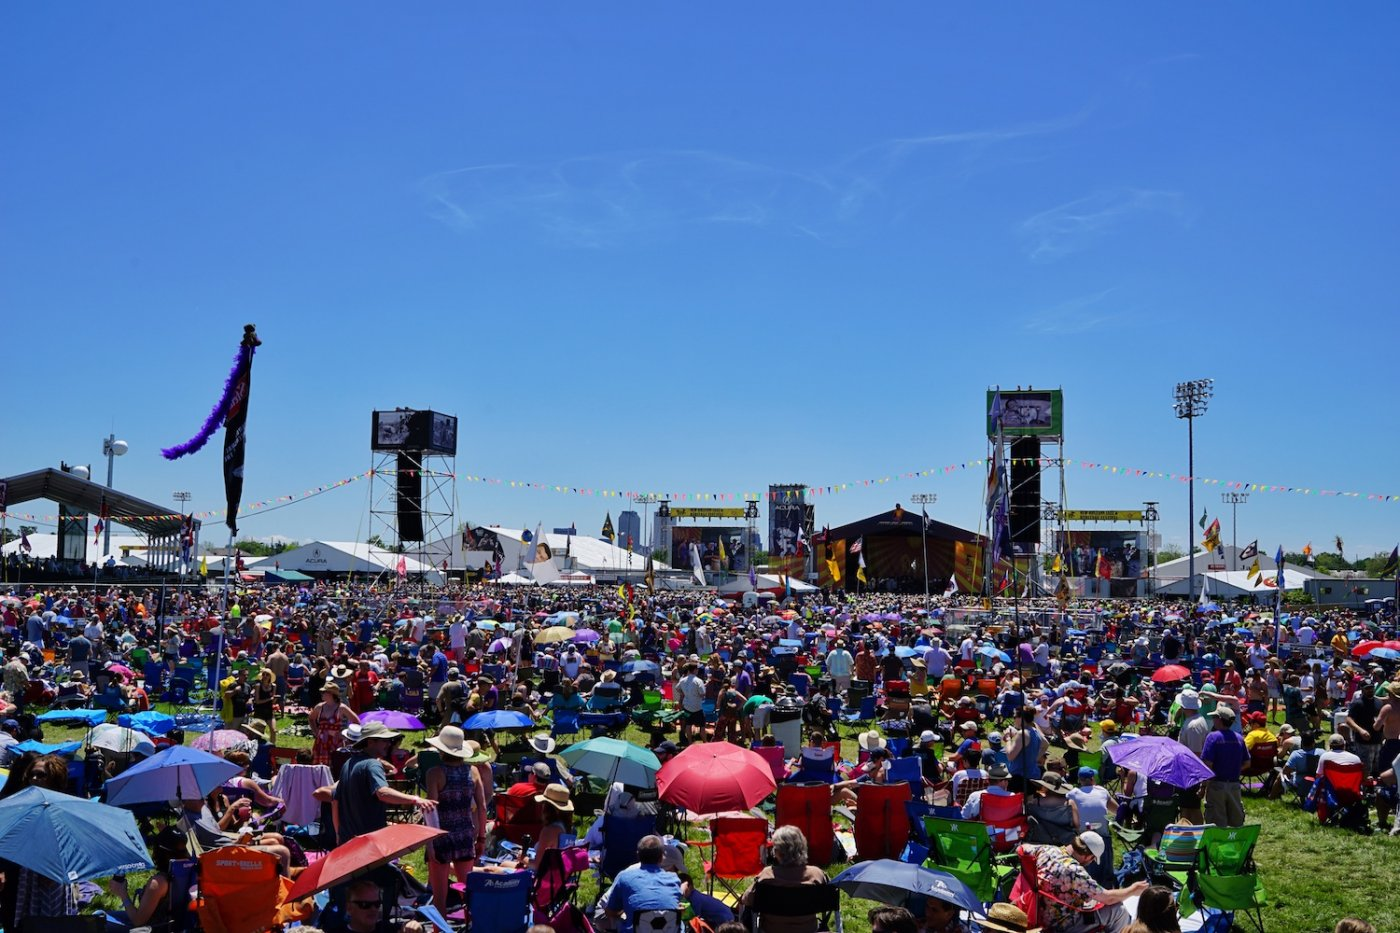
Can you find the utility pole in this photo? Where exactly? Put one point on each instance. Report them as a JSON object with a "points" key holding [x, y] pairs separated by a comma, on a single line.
{"points": [[1190, 401], [923, 500], [1234, 500]]}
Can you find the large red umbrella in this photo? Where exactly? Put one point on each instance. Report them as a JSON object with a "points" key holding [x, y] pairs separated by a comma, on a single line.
{"points": [[1170, 673], [715, 777], [1364, 648], [359, 855]]}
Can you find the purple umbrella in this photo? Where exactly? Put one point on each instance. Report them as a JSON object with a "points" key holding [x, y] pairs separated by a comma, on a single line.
{"points": [[1159, 758], [224, 739], [392, 718], [499, 645], [586, 635], [891, 617]]}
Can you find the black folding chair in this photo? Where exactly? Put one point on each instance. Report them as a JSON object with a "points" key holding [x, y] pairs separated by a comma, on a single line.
{"points": [[802, 900]]}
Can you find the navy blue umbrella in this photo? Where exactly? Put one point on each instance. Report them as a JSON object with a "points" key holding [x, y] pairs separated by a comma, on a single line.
{"points": [[892, 882], [69, 838]]}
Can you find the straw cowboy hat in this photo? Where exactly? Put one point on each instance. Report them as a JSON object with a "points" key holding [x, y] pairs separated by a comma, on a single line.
{"points": [[340, 672], [558, 795], [870, 741], [1006, 918], [331, 686], [255, 728], [1054, 782], [451, 741], [376, 730], [476, 755]]}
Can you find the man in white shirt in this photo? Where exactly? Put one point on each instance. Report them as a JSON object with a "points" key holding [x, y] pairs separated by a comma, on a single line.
{"points": [[1259, 656], [936, 661], [1196, 727], [570, 663], [839, 665], [1336, 753], [418, 630], [457, 639], [999, 777], [690, 693], [966, 650]]}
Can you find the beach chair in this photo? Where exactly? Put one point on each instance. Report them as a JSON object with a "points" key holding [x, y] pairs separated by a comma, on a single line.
{"points": [[1261, 764], [882, 823], [240, 890], [795, 901], [557, 879], [963, 849], [1226, 878], [517, 818], [777, 761], [620, 837], [566, 723], [499, 902], [1006, 818], [808, 807], [1338, 795], [1172, 862], [736, 844]]}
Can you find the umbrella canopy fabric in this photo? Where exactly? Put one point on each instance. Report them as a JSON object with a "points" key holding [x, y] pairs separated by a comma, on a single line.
{"points": [[640, 667], [89, 716], [66, 749], [177, 773], [1383, 654], [586, 636], [359, 855], [554, 634], [987, 651], [499, 645], [1159, 758], [614, 760], [223, 739], [893, 882], [715, 777], [1170, 673], [394, 719], [498, 719], [69, 838], [149, 722], [118, 739]]}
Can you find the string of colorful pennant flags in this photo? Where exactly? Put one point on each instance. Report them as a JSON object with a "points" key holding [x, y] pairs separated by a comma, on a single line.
{"points": [[810, 491]]}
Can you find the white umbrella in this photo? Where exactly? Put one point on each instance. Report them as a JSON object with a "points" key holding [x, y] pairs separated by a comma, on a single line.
{"points": [[118, 739]]}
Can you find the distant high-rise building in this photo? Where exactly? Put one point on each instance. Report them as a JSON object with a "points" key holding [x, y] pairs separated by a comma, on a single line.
{"points": [[629, 528]]}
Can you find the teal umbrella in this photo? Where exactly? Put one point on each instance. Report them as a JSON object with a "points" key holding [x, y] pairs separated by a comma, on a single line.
{"points": [[614, 760]]}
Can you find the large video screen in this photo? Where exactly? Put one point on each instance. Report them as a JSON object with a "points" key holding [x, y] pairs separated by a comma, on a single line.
{"points": [[409, 430], [1124, 551], [708, 538], [1028, 413]]}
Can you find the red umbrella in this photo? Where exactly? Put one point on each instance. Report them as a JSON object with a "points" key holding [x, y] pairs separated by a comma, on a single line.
{"points": [[1170, 673], [1364, 648], [715, 777], [1393, 645], [359, 855]]}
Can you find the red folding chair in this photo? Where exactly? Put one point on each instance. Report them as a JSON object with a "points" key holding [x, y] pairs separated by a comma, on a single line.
{"points": [[774, 755], [1005, 817], [1345, 783], [517, 818], [736, 844], [808, 807], [882, 820], [1261, 763]]}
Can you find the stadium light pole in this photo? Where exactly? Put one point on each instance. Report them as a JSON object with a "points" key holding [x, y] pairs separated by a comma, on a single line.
{"points": [[1190, 401], [111, 449], [923, 500], [1234, 500]]}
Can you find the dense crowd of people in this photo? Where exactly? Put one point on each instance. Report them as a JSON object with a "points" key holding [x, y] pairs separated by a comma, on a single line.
{"points": [[985, 704]]}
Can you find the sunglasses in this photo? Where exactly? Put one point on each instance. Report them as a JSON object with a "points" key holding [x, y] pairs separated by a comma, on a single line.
{"points": [[366, 905]]}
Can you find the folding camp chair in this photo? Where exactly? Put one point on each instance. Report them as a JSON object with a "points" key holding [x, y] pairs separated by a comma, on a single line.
{"points": [[1338, 796], [1261, 764], [882, 823], [808, 807], [898, 747], [737, 844], [794, 901], [657, 921], [499, 903], [565, 723], [963, 849], [1172, 862], [777, 761], [557, 879], [862, 715], [240, 890], [620, 837], [517, 818], [1027, 893], [1005, 817], [1225, 877]]}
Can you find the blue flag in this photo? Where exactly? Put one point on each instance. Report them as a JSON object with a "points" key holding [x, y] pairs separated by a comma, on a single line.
{"points": [[1278, 559]]}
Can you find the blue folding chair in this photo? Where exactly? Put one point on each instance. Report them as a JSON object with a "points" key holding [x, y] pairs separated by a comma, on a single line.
{"points": [[864, 715], [500, 903], [565, 723], [620, 837], [153, 676], [899, 748], [908, 770]]}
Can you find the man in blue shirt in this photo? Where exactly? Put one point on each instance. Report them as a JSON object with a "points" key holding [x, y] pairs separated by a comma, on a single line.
{"points": [[1225, 753], [645, 886]]}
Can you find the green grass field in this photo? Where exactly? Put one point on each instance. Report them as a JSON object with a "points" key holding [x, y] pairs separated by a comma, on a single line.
{"points": [[1314, 876]]}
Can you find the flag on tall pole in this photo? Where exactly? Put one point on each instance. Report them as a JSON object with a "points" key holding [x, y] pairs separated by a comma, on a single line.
{"points": [[608, 534], [401, 569], [858, 546], [103, 514], [723, 558], [1202, 522], [860, 570], [753, 576], [1250, 550], [1392, 564], [649, 576], [834, 569], [203, 566], [696, 568], [24, 544], [952, 585]]}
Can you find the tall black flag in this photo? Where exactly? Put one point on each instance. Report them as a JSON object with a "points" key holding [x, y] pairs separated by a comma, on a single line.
{"points": [[235, 422]]}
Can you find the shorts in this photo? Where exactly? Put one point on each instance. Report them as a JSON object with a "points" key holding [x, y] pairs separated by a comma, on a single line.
{"points": [[696, 718]]}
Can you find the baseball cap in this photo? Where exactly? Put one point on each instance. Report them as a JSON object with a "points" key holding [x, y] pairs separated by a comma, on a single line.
{"points": [[1087, 772], [668, 747], [9, 724], [1224, 714], [928, 736], [994, 738], [1093, 842]]}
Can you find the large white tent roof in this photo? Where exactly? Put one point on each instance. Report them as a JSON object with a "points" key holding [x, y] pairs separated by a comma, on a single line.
{"points": [[590, 555], [1232, 584], [344, 557]]}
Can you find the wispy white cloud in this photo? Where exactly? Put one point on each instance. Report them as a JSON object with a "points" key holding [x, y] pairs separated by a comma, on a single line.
{"points": [[613, 198], [1077, 315], [1072, 226]]}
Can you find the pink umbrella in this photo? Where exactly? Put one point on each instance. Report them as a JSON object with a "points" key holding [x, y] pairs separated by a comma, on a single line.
{"points": [[221, 740], [121, 669], [715, 777]]}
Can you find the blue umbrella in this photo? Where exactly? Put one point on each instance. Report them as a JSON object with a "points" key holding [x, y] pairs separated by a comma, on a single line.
{"points": [[66, 749], [640, 667], [69, 838], [987, 651], [892, 882], [904, 651], [498, 719], [1384, 654], [90, 716], [1077, 633], [178, 773], [149, 722], [614, 760]]}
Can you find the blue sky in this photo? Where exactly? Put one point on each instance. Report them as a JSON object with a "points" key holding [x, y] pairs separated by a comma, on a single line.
{"points": [[704, 248]]}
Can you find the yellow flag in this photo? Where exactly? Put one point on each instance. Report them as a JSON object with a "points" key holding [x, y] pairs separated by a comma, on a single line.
{"points": [[835, 571], [860, 575], [204, 566], [722, 557], [1254, 570]]}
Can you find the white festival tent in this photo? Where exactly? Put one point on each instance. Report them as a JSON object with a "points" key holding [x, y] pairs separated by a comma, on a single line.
{"points": [[767, 583], [346, 557], [592, 556], [1234, 584]]}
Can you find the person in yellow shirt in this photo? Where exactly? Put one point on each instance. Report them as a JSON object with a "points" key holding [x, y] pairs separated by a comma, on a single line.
{"points": [[1258, 725], [1340, 646]]}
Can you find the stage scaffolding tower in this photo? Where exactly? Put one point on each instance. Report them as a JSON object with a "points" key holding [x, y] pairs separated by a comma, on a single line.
{"points": [[437, 497]]}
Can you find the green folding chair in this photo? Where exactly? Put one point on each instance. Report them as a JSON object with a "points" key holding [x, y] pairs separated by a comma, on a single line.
{"points": [[1226, 877], [963, 849]]}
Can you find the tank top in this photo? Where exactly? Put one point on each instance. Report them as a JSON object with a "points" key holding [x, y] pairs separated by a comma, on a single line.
{"points": [[1027, 764]]}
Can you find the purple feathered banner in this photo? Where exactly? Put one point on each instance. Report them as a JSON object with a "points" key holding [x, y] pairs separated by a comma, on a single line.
{"points": [[241, 364]]}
